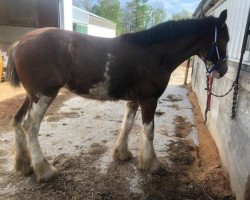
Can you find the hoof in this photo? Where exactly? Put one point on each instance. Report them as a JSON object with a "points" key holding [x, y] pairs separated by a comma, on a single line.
{"points": [[122, 155], [44, 171], [23, 166], [152, 166]]}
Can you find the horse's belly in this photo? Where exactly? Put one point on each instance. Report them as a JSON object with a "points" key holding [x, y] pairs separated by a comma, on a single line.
{"points": [[99, 91]]}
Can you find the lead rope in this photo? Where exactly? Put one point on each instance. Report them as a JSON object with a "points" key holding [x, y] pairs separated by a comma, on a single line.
{"points": [[209, 83], [210, 93]]}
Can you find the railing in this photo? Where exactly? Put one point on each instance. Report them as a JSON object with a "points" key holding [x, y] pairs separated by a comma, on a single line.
{"points": [[80, 15], [85, 17]]}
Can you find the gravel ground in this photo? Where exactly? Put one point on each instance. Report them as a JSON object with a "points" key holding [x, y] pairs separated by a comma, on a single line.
{"points": [[77, 136]]}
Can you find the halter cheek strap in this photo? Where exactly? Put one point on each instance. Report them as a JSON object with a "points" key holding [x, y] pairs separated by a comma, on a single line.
{"points": [[215, 42]]}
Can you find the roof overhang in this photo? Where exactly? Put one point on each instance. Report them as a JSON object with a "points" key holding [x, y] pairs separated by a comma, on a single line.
{"points": [[204, 6]]}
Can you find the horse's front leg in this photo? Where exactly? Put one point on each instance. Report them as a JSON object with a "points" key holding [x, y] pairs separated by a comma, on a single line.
{"points": [[148, 160], [121, 151]]}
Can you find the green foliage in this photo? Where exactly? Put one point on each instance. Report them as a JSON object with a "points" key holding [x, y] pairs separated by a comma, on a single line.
{"points": [[109, 9], [138, 15], [135, 16], [87, 4], [184, 14], [156, 15]]}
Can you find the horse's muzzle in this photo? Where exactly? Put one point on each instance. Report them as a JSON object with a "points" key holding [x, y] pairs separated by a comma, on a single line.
{"points": [[219, 70], [215, 74], [222, 70]]}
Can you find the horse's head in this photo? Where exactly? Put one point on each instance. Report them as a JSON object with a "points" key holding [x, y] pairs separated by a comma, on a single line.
{"points": [[215, 54]]}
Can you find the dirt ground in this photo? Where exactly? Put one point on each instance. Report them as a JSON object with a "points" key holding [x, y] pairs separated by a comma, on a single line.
{"points": [[77, 136]]}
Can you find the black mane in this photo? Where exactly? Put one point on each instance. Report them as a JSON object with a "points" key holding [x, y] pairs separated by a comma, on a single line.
{"points": [[171, 30]]}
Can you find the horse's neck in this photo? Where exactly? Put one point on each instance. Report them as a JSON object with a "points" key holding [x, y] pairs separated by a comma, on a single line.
{"points": [[183, 49]]}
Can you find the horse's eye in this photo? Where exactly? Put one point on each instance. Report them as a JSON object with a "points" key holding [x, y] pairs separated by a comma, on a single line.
{"points": [[223, 42]]}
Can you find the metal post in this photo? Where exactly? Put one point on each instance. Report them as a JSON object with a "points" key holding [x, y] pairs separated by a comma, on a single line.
{"points": [[187, 69], [1, 66], [243, 49]]}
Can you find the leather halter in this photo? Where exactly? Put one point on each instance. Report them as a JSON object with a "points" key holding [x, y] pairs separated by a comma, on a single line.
{"points": [[219, 59]]}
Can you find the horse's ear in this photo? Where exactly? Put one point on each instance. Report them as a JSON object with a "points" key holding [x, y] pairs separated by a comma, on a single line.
{"points": [[222, 18]]}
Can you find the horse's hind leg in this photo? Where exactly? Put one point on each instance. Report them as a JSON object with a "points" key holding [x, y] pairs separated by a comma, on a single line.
{"points": [[121, 151], [22, 157], [31, 124]]}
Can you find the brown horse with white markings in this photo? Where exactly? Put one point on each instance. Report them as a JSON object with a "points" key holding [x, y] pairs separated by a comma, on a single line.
{"points": [[134, 67]]}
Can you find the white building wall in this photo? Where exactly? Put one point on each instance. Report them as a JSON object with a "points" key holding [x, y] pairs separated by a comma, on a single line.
{"points": [[232, 137], [101, 31], [80, 15], [66, 19], [237, 11]]}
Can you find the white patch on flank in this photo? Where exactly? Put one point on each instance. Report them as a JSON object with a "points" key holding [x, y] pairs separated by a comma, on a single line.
{"points": [[100, 90]]}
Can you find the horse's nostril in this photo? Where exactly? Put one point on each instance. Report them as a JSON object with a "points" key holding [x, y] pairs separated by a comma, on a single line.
{"points": [[222, 70], [215, 74]]}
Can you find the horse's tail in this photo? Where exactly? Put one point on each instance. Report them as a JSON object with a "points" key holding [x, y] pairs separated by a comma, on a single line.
{"points": [[11, 68]]}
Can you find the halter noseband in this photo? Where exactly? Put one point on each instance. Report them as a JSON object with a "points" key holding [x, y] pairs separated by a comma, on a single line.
{"points": [[214, 48]]}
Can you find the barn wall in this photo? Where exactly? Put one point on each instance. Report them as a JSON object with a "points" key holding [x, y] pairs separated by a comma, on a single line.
{"points": [[16, 20], [29, 13], [231, 136], [16, 12], [66, 20], [237, 11], [9, 34], [48, 13], [101, 31], [19, 17]]}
